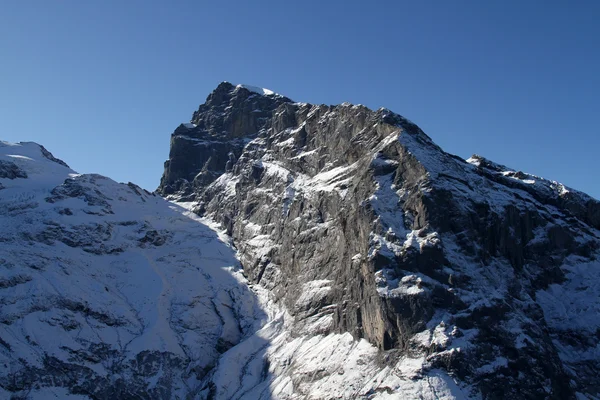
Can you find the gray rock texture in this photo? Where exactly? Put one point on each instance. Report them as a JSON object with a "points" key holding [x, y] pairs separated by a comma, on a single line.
{"points": [[411, 240], [218, 132]]}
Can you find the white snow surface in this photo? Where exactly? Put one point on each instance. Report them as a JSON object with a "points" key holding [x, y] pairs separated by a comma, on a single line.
{"points": [[83, 276], [258, 90]]}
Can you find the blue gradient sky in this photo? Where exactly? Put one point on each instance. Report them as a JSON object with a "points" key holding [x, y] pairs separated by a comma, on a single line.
{"points": [[102, 84]]}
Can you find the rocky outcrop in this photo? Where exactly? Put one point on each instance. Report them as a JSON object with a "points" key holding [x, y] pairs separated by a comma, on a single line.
{"points": [[357, 222], [219, 130], [10, 170]]}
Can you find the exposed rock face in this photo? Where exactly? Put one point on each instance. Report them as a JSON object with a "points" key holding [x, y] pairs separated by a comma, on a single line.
{"points": [[357, 222], [218, 132], [10, 170]]}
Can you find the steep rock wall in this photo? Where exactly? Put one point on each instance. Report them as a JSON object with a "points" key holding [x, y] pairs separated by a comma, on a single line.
{"points": [[358, 222]]}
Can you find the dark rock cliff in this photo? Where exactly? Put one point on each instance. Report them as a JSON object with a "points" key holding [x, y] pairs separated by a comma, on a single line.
{"points": [[406, 240], [200, 151]]}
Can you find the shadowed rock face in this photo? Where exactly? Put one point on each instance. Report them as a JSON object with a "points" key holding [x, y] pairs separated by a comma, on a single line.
{"points": [[357, 222], [218, 132]]}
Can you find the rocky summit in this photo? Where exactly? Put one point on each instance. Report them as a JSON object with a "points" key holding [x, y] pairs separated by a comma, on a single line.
{"points": [[458, 271], [296, 251]]}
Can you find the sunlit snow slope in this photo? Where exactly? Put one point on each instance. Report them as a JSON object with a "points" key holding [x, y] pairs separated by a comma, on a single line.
{"points": [[107, 290]]}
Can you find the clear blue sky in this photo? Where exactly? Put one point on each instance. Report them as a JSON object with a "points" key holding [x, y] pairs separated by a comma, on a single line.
{"points": [[102, 84]]}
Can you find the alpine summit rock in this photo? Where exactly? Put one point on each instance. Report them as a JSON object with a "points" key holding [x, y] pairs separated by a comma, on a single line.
{"points": [[465, 277]]}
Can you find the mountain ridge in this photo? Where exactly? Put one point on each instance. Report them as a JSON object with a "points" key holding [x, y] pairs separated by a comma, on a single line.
{"points": [[306, 251]]}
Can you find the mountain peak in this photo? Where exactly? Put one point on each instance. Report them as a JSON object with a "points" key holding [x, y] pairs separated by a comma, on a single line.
{"points": [[31, 161], [358, 222], [257, 90], [226, 90], [32, 149]]}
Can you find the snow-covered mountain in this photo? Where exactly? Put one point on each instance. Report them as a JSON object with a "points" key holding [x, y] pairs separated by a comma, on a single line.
{"points": [[108, 291], [302, 252]]}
